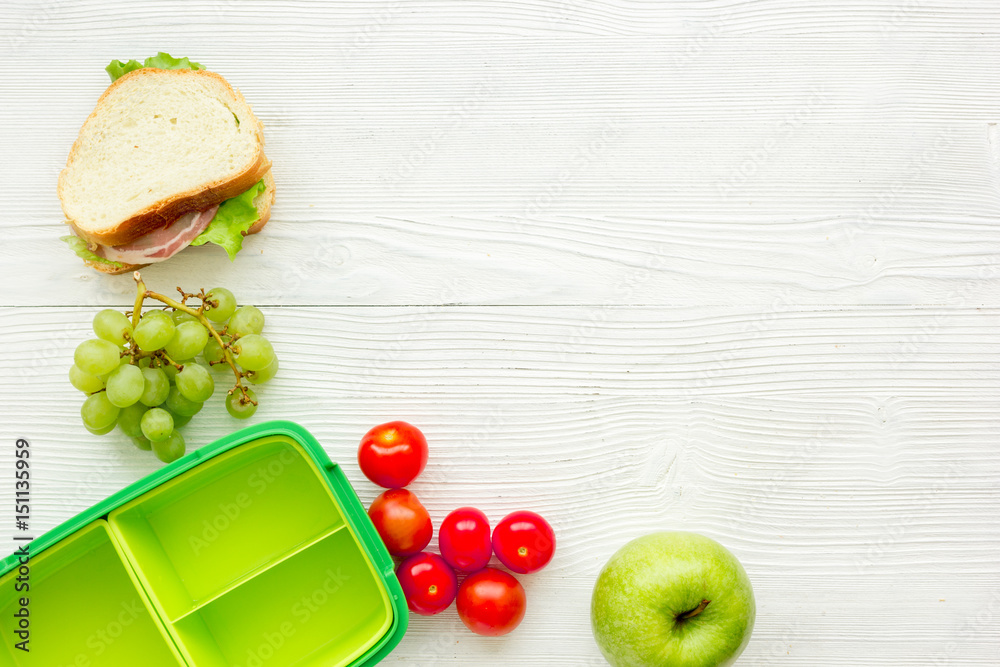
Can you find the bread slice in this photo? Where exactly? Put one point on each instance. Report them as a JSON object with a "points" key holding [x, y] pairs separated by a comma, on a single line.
{"points": [[159, 144], [263, 202]]}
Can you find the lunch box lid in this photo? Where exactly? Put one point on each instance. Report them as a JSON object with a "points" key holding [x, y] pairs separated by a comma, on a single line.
{"points": [[258, 534]]}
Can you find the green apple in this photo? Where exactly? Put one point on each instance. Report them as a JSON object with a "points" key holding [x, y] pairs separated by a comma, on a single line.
{"points": [[672, 599]]}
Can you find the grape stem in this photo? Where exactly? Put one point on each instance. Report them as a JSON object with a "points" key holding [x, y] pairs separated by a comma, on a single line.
{"points": [[139, 293], [165, 357], [199, 313]]}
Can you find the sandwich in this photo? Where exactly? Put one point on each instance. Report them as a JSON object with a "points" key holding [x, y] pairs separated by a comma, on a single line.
{"points": [[171, 156]]}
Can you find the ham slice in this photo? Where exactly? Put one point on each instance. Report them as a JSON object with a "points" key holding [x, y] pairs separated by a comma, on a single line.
{"points": [[162, 243]]}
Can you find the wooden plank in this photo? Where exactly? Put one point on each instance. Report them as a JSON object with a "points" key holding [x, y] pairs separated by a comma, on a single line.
{"points": [[414, 79], [357, 23], [835, 214], [581, 351], [846, 455]]}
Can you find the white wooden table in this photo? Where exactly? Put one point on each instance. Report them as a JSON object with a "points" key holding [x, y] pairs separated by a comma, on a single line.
{"points": [[729, 267]]}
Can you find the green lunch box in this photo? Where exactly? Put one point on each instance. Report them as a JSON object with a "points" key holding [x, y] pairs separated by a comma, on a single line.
{"points": [[253, 551]]}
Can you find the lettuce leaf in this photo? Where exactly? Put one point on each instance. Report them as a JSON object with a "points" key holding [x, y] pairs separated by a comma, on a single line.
{"points": [[79, 246], [165, 61], [233, 219], [117, 69]]}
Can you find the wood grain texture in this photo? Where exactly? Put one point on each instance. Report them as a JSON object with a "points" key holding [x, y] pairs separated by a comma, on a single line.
{"points": [[356, 22], [458, 259], [544, 170], [839, 214], [725, 266], [845, 455]]}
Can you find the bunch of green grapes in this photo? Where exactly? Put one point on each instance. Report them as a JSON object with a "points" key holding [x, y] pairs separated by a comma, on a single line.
{"points": [[150, 374]]}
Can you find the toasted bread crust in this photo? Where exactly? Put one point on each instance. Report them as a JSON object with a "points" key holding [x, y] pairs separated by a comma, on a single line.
{"points": [[112, 271], [263, 202], [165, 212]]}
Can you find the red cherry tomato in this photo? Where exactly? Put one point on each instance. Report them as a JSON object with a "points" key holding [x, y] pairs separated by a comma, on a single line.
{"points": [[524, 542], [428, 582], [491, 602], [401, 521], [393, 454], [464, 539]]}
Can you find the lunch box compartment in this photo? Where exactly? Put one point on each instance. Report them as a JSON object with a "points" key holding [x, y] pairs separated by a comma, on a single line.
{"points": [[85, 609], [218, 523], [322, 606]]}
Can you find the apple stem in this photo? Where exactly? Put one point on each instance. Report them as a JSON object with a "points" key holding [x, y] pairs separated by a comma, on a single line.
{"points": [[694, 612]]}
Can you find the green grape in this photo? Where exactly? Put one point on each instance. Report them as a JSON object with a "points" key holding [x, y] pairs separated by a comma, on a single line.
{"points": [[253, 352], [189, 339], [179, 405], [142, 443], [155, 329], [112, 326], [237, 408], [125, 385], [101, 431], [98, 412], [129, 419], [156, 387], [180, 420], [262, 376], [169, 449], [213, 352], [157, 424], [195, 383], [226, 301], [96, 356], [180, 316], [246, 320], [84, 381]]}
